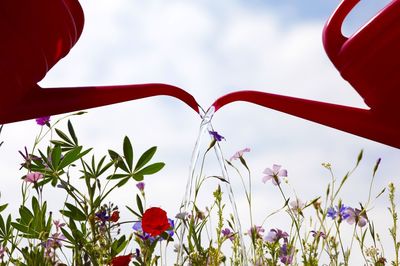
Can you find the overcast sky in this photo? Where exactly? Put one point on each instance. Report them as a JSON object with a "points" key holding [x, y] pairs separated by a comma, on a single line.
{"points": [[210, 48]]}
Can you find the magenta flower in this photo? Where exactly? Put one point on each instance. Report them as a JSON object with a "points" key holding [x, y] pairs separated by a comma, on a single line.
{"points": [[43, 120], [356, 216], [140, 186], [33, 177], [239, 154], [275, 173], [216, 136]]}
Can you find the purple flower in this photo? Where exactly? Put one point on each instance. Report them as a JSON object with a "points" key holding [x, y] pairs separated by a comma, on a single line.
{"points": [[171, 230], [356, 216], [239, 154], [140, 186], [338, 212], [275, 235], [228, 234], [140, 233], [274, 174], [43, 120], [286, 254], [33, 177], [216, 136], [256, 231], [102, 216], [318, 234]]}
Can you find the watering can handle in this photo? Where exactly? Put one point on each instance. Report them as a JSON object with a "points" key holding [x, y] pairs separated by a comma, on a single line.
{"points": [[332, 36]]}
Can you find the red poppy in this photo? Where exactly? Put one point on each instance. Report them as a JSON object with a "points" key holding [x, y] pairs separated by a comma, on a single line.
{"points": [[121, 260], [155, 221], [114, 216]]}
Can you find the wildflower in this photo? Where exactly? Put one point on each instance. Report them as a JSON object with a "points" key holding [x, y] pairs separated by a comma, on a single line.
{"points": [[275, 235], [102, 216], [256, 231], [216, 136], [33, 177], [318, 234], [286, 254], [274, 174], [2, 252], [121, 260], [338, 212], [114, 217], [155, 221], [140, 186], [58, 224], [139, 232], [297, 206], [28, 158], [181, 215], [45, 120], [239, 154], [356, 216], [228, 234]]}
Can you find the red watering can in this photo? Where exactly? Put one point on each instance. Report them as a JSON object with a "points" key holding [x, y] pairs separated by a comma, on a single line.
{"points": [[370, 61], [35, 35]]}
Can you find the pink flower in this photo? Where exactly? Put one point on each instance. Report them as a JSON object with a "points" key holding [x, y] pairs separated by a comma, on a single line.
{"points": [[274, 174], [239, 154], [33, 177]]}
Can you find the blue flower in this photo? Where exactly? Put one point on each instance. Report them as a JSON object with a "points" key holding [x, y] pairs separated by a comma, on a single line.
{"points": [[340, 212]]}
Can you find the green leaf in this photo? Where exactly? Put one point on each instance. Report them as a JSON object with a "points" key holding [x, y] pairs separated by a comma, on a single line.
{"points": [[118, 160], [145, 158], [123, 182], [128, 152], [3, 207], [139, 204], [135, 213], [117, 176], [74, 213], [72, 133], [151, 169], [63, 136], [55, 156]]}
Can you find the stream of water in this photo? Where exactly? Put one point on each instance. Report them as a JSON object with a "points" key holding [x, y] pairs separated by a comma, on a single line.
{"points": [[206, 126]]}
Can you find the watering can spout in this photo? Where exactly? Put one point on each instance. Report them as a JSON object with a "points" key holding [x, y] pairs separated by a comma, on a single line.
{"points": [[50, 101], [362, 122]]}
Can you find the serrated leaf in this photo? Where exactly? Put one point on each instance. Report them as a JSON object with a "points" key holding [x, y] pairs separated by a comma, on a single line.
{"points": [[145, 158], [151, 169], [128, 152]]}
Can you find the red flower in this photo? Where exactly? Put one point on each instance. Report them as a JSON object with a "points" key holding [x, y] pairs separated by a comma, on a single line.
{"points": [[155, 221], [121, 260], [114, 216]]}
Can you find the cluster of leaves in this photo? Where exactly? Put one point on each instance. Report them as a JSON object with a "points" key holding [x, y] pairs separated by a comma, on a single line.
{"points": [[90, 227]]}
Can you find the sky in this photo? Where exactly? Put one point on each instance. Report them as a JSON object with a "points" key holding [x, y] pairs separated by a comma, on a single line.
{"points": [[210, 48]]}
